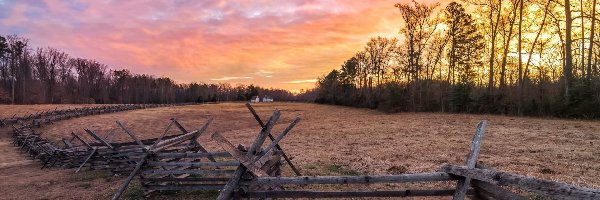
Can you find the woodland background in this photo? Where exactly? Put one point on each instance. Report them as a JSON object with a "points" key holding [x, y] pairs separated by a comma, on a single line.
{"points": [[518, 57], [48, 75]]}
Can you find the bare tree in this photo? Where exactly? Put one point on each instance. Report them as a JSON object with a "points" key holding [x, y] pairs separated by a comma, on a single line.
{"points": [[535, 41], [507, 38], [380, 52], [591, 42], [568, 68], [419, 27]]}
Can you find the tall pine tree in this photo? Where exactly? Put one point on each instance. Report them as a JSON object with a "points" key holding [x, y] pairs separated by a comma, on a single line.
{"points": [[466, 43], [465, 53]]}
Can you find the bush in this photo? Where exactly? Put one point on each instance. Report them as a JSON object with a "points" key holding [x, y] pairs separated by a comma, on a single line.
{"points": [[5, 96], [393, 98], [460, 98], [582, 101]]}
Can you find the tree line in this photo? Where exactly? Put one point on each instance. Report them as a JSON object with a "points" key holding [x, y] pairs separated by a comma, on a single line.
{"points": [[48, 75], [521, 57]]}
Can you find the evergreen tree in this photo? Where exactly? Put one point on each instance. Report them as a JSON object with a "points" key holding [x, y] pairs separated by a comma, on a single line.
{"points": [[466, 44], [4, 48], [328, 86]]}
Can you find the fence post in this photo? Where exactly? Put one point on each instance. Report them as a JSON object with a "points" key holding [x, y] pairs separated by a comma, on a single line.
{"points": [[463, 184]]}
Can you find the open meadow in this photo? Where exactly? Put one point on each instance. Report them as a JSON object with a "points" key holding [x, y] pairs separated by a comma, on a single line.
{"points": [[329, 140]]}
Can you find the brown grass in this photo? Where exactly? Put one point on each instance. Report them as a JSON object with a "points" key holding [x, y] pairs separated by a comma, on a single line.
{"points": [[332, 140]]}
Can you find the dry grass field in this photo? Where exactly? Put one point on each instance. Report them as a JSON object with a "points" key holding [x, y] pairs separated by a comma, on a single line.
{"points": [[330, 140]]}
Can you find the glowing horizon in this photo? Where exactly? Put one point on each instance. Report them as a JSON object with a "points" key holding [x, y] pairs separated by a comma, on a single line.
{"points": [[275, 44]]}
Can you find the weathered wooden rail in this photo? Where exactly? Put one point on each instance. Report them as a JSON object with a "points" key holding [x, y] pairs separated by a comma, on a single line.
{"points": [[169, 161], [182, 163]]}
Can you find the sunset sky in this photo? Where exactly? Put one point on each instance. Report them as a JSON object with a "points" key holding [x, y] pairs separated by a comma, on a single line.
{"points": [[281, 44]]}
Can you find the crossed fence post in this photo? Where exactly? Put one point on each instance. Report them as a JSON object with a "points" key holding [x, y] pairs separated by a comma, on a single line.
{"points": [[260, 122], [254, 161], [160, 145], [463, 185]]}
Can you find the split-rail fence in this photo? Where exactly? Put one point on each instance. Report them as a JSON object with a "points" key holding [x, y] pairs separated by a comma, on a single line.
{"points": [[180, 162]]}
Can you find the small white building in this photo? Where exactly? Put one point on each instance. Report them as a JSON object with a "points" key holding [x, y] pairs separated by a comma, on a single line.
{"points": [[267, 99], [255, 99]]}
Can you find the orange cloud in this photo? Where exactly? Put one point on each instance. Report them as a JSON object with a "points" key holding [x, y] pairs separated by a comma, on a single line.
{"points": [[281, 44]]}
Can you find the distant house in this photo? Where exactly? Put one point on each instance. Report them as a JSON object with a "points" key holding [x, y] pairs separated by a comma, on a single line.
{"points": [[267, 99], [255, 99]]}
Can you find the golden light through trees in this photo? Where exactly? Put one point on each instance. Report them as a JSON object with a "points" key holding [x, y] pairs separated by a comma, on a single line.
{"points": [[522, 57]]}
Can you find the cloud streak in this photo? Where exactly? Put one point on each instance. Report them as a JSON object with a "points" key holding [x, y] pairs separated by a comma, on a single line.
{"points": [[302, 81], [280, 44], [229, 78]]}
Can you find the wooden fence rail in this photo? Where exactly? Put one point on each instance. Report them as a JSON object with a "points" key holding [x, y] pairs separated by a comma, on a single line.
{"points": [[305, 180], [345, 194], [548, 188]]}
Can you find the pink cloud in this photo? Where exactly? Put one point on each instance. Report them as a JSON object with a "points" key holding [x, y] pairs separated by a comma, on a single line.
{"points": [[208, 41]]}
